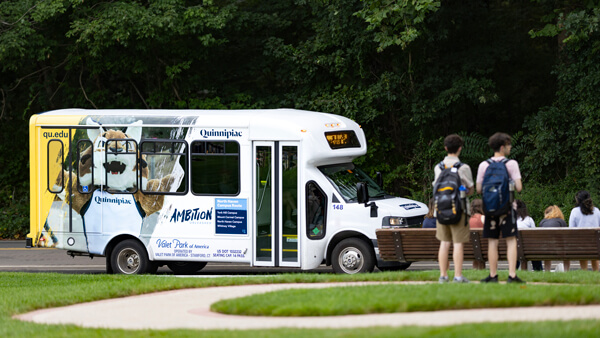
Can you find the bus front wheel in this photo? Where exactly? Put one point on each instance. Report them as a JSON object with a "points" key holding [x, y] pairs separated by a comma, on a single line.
{"points": [[353, 255], [129, 257]]}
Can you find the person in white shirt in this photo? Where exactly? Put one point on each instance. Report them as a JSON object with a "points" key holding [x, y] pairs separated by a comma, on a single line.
{"points": [[524, 221], [585, 215]]}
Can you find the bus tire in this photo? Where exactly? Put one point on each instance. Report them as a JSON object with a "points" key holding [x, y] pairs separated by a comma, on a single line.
{"points": [[109, 269], [186, 268], [129, 257], [353, 255]]}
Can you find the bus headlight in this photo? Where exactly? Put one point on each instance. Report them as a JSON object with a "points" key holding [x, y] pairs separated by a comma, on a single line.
{"points": [[402, 222], [394, 222]]}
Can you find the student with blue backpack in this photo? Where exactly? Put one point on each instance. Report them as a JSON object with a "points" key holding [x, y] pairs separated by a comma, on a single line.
{"points": [[453, 182], [497, 177]]}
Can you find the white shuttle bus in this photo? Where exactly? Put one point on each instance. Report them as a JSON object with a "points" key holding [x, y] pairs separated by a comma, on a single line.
{"points": [[147, 188]]}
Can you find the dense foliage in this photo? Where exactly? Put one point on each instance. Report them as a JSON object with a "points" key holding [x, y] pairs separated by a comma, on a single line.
{"points": [[409, 72]]}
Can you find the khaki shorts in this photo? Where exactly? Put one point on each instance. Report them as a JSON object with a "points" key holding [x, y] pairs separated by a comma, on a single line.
{"points": [[455, 233]]}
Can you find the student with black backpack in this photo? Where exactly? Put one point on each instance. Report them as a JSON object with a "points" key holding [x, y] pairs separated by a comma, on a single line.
{"points": [[453, 182], [496, 178]]}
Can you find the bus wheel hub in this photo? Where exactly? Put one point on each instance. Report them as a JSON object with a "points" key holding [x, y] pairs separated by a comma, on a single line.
{"points": [[351, 259], [131, 261]]}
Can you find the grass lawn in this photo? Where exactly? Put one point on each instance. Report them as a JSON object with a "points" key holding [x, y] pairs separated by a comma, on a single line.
{"points": [[22, 292], [354, 300]]}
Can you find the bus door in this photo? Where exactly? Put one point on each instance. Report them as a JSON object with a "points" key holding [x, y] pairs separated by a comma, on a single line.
{"points": [[69, 176], [276, 198], [315, 224]]}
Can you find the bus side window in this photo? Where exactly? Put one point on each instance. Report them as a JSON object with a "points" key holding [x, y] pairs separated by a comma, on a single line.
{"points": [[316, 211], [164, 163], [215, 168], [123, 153], [55, 174]]}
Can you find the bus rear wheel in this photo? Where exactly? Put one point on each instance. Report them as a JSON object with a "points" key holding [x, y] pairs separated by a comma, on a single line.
{"points": [[129, 257], [186, 268], [353, 255]]}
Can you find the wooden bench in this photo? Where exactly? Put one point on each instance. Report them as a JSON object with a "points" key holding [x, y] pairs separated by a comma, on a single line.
{"points": [[413, 245]]}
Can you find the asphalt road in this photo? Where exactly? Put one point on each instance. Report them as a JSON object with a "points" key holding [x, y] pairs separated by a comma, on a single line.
{"points": [[15, 257]]}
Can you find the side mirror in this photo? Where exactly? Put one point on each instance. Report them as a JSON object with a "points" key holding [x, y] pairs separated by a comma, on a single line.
{"points": [[362, 192], [362, 195], [379, 179]]}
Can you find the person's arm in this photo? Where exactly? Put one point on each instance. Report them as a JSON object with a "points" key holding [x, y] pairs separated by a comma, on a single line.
{"points": [[467, 178], [479, 178], [436, 171], [514, 173], [572, 220], [518, 185]]}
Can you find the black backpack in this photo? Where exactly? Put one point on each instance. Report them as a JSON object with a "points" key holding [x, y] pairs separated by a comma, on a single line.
{"points": [[495, 189], [446, 194]]}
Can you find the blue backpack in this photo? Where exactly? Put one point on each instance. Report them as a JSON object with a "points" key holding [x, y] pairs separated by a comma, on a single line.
{"points": [[495, 189]]}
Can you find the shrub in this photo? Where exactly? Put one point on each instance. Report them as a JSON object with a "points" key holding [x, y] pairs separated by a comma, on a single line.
{"points": [[14, 212]]}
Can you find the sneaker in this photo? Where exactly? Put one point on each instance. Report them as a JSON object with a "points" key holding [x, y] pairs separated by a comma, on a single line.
{"points": [[460, 280], [443, 280], [515, 280], [490, 279]]}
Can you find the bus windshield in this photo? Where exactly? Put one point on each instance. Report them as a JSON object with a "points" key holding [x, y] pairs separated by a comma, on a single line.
{"points": [[344, 178]]}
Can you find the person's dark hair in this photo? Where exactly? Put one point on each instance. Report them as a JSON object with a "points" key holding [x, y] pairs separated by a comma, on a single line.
{"points": [[583, 200], [522, 211], [498, 140], [431, 209], [453, 142], [477, 206]]}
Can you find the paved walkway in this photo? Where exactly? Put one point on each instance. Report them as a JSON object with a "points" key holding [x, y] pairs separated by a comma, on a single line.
{"points": [[190, 309]]}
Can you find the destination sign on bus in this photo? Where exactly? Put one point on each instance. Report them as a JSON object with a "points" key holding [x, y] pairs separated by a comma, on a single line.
{"points": [[342, 139]]}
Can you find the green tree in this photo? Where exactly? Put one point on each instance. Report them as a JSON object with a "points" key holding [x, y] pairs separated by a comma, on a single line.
{"points": [[410, 72], [563, 136], [91, 54]]}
